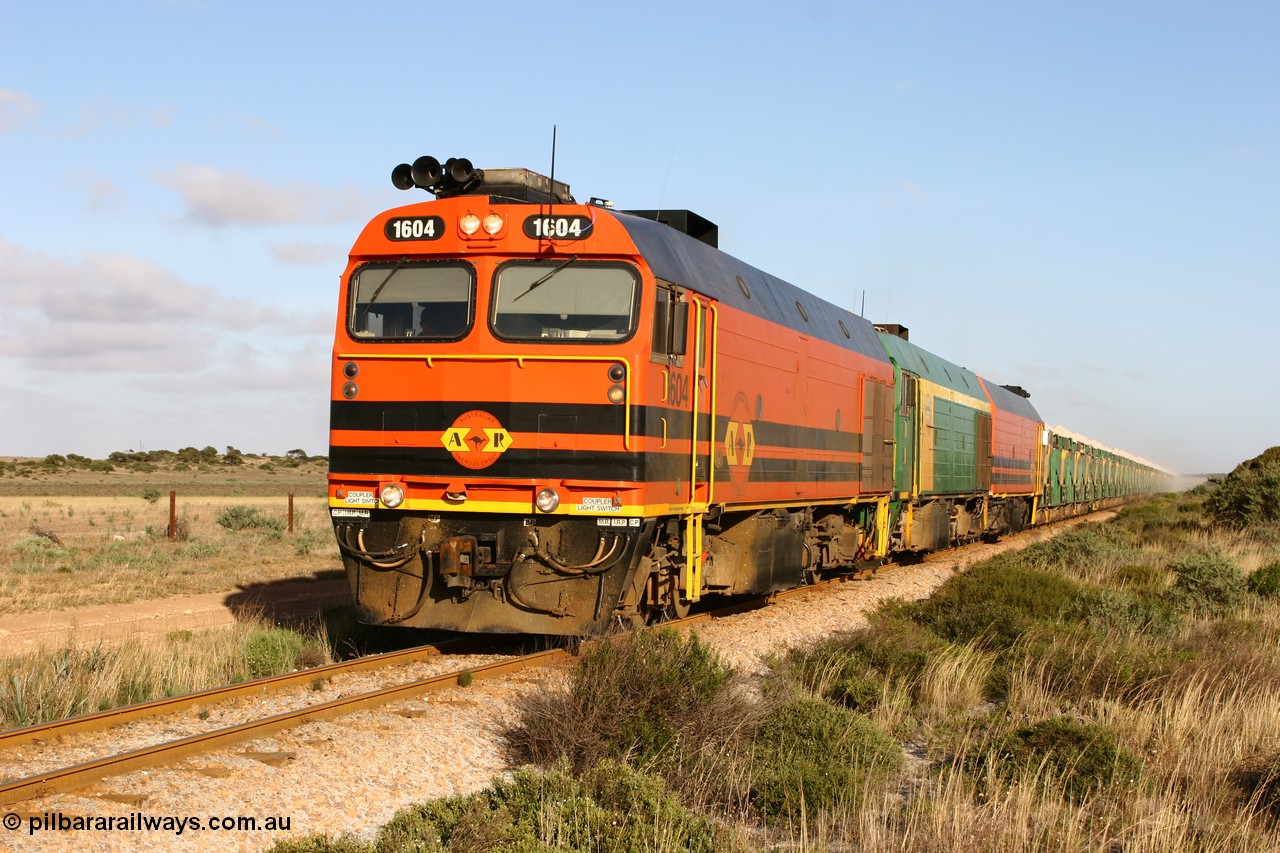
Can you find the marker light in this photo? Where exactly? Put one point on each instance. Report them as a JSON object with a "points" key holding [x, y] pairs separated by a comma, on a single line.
{"points": [[547, 500], [349, 390], [617, 372], [616, 394], [350, 370], [492, 223], [469, 223], [391, 495]]}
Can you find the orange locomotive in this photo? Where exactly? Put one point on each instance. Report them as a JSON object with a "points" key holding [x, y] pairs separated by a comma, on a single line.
{"points": [[547, 416]]}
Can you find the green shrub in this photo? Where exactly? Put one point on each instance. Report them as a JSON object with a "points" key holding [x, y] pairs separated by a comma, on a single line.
{"points": [[1208, 584], [1119, 610], [151, 495], [637, 697], [1079, 549], [197, 550], [272, 651], [1072, 757], [39, 549], [1080, 663], [1140, 578], [996, 602], [1250, 494], [241, 517], [1265, 581], [610, 807], [811, 756], [852, 669]]}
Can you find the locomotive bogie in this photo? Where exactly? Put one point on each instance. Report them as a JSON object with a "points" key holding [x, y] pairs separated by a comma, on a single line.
{"points": [[490, 573]]}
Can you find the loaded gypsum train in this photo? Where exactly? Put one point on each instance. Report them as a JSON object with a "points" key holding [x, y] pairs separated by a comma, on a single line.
{"points": [[549, 416]]}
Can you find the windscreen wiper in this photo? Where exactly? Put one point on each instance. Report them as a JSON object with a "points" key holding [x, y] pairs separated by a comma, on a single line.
{"points": [[545, 278], [374, 298]]}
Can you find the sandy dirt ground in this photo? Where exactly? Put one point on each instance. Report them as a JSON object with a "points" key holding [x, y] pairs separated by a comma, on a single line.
{"points": [[114, 622]]}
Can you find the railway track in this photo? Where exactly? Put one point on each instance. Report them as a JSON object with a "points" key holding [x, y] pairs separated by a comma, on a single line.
{"points": [[71, 778]]}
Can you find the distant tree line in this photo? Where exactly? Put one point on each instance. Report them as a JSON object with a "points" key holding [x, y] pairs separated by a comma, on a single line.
{"points": [[154, 460]]}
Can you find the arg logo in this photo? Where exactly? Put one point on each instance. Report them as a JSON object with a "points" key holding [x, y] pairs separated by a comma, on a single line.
{"points": [[476, 439]]}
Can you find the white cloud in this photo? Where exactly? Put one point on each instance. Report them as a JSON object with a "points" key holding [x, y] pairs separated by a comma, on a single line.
{"points": [[220, 197], [16, 110], [139, 353], [104, 313]]}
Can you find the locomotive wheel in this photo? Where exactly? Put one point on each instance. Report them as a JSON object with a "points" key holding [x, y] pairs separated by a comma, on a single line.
{"points": [[676, 608], [674, 605]]}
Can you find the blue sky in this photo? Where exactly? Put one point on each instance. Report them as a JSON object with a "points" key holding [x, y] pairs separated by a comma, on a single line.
{"points": [[1080, 198]]}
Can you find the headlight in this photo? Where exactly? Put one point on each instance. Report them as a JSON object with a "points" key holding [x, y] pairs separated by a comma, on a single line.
{"points": [[547, 500], [492, 223], [391, 495], [469, 223]]}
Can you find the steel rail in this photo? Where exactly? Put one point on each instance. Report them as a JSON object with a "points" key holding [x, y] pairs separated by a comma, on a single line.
{"points": [[70, 778], [174, 704]]}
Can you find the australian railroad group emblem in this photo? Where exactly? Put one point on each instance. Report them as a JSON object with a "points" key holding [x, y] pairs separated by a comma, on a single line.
{"points": [[739, 444], [476, 439]]}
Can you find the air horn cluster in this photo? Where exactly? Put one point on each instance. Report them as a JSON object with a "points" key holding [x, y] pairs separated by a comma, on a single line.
{"points": [[456, 176]]}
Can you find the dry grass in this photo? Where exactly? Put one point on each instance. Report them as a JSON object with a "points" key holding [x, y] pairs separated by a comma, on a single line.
{"points": [[66, 551], [56, 683]]}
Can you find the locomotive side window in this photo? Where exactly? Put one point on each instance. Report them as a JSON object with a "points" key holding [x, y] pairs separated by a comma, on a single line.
{"points": [[670, 324], [564, 300], [403, 301]]}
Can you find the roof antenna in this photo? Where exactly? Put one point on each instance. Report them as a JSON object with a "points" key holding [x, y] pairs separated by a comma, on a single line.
{"points": [[552, 193], [663, 194]]}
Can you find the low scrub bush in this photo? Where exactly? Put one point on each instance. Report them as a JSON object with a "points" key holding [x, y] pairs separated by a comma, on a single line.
{"points": [[1208, 584], [241, 517], [1108, 610], [812, 756], [1265, 581], [1065, 755], [609, 807], [40, 550], [852, 669], [1081, 549], [270, 651], [1079, 664], [995, 603], [1140, 578], [1250, 495], [645, 697]]}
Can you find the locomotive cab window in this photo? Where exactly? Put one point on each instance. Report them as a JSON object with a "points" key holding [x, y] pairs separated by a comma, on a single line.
{"points": [[564, 301], [407, 301]]}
